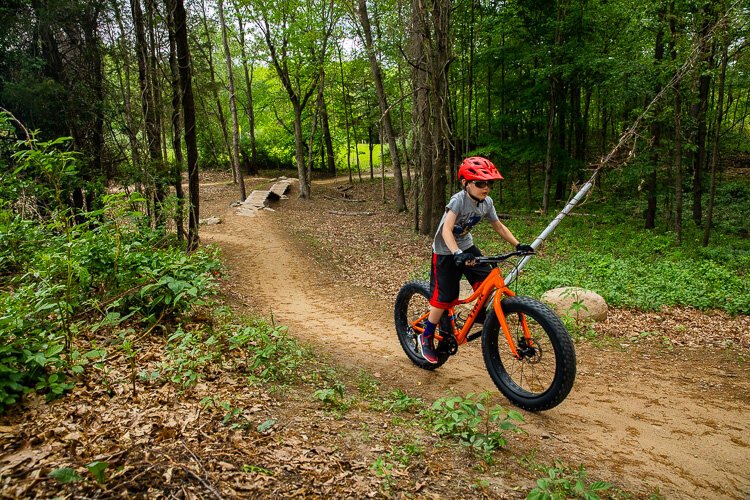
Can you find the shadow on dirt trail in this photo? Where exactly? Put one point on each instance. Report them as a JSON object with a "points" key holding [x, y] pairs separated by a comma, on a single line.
{"points": [[673, 422]]}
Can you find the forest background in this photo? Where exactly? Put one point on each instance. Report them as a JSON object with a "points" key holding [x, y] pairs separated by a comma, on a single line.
{"points": [[110, 106]]}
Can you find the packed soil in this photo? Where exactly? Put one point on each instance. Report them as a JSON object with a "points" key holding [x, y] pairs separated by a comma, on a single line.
{"points": [[660, 400]]}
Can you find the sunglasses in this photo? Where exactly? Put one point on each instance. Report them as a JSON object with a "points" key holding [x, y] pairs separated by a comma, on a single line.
{"points": [[482, 184]]}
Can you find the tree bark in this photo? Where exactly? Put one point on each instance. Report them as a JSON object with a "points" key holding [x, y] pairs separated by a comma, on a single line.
{"points": [[326, 126], [551, 112], [431, 56], [176, 126], [717, 134], [250, 108], [215, 88], [656, 130], [698, 113], [385, 118], [232, 105], [188, 112], [346, 118], [677, 139]]}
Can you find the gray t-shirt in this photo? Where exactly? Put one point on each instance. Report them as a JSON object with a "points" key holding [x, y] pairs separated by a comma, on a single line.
{"points": [[468, 214]]}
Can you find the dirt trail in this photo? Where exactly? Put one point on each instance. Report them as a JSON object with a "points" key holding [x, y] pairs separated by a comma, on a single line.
{"points": [[674, 422]]}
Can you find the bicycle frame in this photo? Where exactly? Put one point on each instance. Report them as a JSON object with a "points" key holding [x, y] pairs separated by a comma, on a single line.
{"points": [[493, 283]]}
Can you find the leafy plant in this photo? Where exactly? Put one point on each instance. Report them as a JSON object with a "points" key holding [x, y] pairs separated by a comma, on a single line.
{"points": [[333, 397], [468, 420], [565, 482], [399, 401]]}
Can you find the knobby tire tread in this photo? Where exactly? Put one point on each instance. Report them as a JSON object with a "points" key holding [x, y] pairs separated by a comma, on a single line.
{"points": [[559, 338], [400, 313]]}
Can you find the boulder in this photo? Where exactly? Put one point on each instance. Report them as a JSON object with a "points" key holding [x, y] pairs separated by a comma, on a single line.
{"points": [[577, 303]]}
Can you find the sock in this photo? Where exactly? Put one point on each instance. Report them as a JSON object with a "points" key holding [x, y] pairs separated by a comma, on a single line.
{"points": [[429, 329]]}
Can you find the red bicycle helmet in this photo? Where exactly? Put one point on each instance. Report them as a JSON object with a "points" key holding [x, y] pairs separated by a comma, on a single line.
{"points": [[476, 168]]}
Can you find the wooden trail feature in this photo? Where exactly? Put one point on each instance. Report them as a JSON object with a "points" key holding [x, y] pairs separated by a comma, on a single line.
{"points": [[259, 198]]}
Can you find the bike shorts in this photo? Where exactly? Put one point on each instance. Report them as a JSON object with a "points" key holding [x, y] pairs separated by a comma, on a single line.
{"points": [[445, 278]]}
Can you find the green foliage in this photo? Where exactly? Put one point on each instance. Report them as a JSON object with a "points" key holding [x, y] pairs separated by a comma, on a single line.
{"points": [[468, 420], [65, 475], [333, 396], [399, 401], [564, 482], [609, 253], [58, 270]]}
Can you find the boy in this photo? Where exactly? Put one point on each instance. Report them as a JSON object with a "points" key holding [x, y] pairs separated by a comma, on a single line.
{"points": [[453, 247]]}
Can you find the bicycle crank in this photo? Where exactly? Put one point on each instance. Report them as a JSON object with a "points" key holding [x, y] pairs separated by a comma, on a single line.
{"points": [[448, 345]]}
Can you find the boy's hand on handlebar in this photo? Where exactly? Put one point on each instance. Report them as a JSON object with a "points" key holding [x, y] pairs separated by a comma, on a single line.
{"points": [[463, 259], [522, 247]]}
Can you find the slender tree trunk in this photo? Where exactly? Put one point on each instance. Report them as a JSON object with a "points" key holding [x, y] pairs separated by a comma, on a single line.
{"points": [[176, 126], [232, 105], [553, 97], [717, 134], [385, 118], [131, 128], [652, 177], [326, 127], [677, 139], [249, 108], [215, 88], [188, 113], [699, 112], [370, 147], [346, 118], [148, 103]]}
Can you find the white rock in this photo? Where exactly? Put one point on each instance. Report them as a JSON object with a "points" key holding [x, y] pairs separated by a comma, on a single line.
{"points": [[577, 303], [210, 221]]}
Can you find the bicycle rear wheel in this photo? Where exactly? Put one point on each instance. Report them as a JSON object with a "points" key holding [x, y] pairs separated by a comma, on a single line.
{"points": [[412, 302], [546, 370]]}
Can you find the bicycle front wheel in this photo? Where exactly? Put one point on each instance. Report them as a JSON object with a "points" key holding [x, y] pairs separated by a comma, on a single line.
{"points": [[412, 302], [543, 374]]}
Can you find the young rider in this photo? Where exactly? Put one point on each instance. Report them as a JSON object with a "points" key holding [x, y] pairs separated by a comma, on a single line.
{"points": [[453, 247]]}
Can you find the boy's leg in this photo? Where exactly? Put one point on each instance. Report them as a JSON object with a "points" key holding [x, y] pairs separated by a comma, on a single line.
{"points": [[426, 339], [444, 280], [476, 275]]}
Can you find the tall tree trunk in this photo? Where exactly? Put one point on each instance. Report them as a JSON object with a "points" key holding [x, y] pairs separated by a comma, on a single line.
{"points": [[130, 126], [551, 112], [232, 105], [656, 128], [215, 88], [432, 55], [176, 125], [249, 108], [385, 118], [677, 138], [188, 113], [325, 126], [148, 102], [698, 113], [717, 132], [346, 118]]}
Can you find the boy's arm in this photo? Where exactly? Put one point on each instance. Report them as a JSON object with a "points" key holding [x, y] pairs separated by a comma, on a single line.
{"points": [[448, 238], [505, 233]]}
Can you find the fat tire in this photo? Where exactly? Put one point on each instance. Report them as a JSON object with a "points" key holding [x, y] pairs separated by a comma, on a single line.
{"points": [[493, 340], [406, 337]]}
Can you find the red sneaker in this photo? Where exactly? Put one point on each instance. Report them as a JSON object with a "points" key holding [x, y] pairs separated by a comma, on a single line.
{"points": [[427, 349]]}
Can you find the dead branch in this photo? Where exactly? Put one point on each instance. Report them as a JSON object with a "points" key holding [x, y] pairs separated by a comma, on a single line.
{"points": [[336, 212]]}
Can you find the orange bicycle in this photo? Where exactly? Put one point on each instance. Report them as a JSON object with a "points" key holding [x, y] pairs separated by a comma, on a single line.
{"points": [[527, 350]]}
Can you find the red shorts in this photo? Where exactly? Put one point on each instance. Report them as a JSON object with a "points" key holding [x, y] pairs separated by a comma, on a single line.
{"points": [[445, 278]]}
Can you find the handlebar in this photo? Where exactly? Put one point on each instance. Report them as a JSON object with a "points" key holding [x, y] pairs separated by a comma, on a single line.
{"points": [[495, 259]]}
